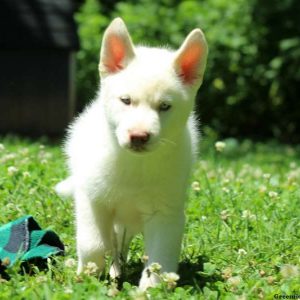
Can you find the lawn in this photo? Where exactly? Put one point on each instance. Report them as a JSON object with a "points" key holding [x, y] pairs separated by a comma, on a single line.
{"points": [[242, 232]]}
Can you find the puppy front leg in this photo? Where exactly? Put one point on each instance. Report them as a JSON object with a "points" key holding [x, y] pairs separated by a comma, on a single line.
{"points": [[93, 232], [163, 235]]}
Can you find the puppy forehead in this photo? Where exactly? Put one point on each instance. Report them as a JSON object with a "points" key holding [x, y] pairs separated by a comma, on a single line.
{"points": [[140, 84], [147, 90]]}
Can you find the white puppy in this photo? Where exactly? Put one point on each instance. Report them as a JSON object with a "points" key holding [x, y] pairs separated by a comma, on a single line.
{"points": [[131, 151]]}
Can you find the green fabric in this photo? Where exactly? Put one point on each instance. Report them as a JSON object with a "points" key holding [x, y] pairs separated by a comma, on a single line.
{"points": [[23, 239]]}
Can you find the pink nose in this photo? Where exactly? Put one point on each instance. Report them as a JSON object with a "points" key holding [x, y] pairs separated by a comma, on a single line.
{"points": [[139, 138]]}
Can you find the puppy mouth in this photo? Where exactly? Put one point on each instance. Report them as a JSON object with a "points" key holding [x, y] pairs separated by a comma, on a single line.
{"points": [[138, 149]]}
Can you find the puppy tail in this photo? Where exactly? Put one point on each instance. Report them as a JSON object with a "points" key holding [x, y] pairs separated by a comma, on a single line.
{"points": [[65, 188]]}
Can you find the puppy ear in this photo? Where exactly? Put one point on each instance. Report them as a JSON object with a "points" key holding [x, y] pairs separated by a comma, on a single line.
{"points": [[190, 58], [117, 48]]}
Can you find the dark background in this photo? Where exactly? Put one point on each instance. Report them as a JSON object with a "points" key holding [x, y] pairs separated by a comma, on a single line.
{"points": [[251, 87]]}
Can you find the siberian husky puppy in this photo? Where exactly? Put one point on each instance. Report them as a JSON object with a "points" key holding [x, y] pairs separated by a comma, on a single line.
{"points": [[130, 153]]}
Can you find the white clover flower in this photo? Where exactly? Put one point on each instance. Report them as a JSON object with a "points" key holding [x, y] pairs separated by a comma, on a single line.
{"points": [[26, 174], [257, 173], [138, 294], [49, 155], [211, 175], [270, 279], [227, 273], [91, 268], [240, 180], [12, 170], [273, 194], [262, 189], [225, 214], [41, 279], [266, 176], [242, 252], [226, 180], [229, 175], [196, 186], [234, 281], [220, 146], [2, 147], [154, 268], [32, 191], [24, 151], [2, 280], [8, 157], [171, 279], [24, 161], [5, 261], [171, 276], [45, 155], [204, 164], [246, 214], [203, 218], [225, 189], [113, 290], [10, 206], [293, 176], [289, 271], [262, 273], [68, 290], [144, 258], [70, 262]]}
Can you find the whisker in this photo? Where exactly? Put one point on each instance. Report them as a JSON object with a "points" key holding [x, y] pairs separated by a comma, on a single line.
{"points": [[164, 140]]}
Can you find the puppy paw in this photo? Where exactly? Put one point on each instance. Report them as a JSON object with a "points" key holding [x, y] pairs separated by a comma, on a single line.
{"points": [[149, 280], [115, 271]]}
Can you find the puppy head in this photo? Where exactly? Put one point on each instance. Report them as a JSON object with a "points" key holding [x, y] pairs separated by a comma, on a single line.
{"points": [[148, 93]]}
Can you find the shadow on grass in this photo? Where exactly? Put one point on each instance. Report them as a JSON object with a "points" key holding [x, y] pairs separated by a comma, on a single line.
{"points": [[30, 267], [190, 272]]}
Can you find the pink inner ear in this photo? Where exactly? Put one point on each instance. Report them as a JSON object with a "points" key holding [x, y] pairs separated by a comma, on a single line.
{"points": [[117, 52], [189, 63]]}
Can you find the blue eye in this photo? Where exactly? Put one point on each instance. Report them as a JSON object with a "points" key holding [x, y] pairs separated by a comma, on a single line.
{"points": [[125, 99], [164, 106]]}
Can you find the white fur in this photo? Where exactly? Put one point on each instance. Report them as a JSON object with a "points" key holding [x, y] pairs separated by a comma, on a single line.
{"points": [[118, 191]]}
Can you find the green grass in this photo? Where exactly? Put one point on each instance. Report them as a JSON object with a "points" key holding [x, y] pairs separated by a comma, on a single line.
{"points": [[242, 232]]}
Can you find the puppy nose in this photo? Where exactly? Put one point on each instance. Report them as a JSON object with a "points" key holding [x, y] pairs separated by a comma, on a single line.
{"points": [[138, 139]]}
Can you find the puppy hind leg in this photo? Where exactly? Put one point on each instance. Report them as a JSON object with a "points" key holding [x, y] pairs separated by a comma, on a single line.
{"points": [[122, 239]]}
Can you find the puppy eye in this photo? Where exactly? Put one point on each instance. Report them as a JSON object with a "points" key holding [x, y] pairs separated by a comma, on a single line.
{"points": [[125, 99], [164, 106]]}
